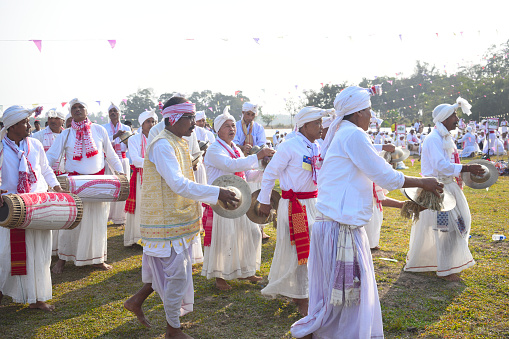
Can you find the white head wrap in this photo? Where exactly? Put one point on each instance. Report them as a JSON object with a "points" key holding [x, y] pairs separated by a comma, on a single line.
{"points": [[441, 113], [146, 115], [13, 115], [54, 113], [249, 107], [222, 118], [200, 115], [326, 122], [68, 116], [308, 114], [350, 100], [74, 102], [469, 129], [113, 106]]}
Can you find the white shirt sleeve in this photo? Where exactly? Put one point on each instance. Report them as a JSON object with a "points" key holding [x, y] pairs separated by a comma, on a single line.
{"points": [[46, 170], [111, 155], [272, 172], [167, 165], [439, 161], [228, 164], [135, 151]]}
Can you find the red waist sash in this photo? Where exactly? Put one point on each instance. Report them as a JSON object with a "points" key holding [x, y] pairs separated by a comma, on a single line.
{"points": [[101, 172], [298, 220], [130, 203]]}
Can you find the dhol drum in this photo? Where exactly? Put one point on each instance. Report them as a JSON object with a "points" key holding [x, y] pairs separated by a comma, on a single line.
{"points": [[41, 211], [97, 188]]}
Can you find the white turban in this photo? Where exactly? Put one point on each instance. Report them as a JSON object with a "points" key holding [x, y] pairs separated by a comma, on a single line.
{"points": [[221, 119], [68, 116], [350, 100], [326, 122], [76, 101], [469, 129], [113, 106], [146, 115], [13, 115], [200, 115], [249, 107], [443, 111], [54, 113], [308, 114]]}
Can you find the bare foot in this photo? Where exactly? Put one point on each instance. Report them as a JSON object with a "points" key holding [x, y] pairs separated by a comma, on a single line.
{"points": [[376, 248], [222, 285], [104, 266], [252, 278], [309, 336], [302, 306], [59, 267], [43, 306], [455, 277], [1, 296], [131, 306], [175, 333]]}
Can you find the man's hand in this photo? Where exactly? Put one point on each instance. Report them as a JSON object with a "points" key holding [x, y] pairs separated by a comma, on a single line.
{"points": [[59, 189], [265, 209], [265, 152], [389, 148], [227, 197], [2, 192], [246, 148], [119, 133], [432, 185], [474, 169]]}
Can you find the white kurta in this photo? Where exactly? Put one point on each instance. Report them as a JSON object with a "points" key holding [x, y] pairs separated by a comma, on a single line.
{"points": [[36, 284], [286, 276], [446, 250], [87, 243], [132, 226], [471, 145], [203, 134], [258, 134], [345, 186], [47, 137], [117, 213], [235, 249], [168, 266]]}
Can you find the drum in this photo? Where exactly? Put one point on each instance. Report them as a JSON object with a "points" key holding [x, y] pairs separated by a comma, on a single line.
{"points": [[97, 188], [41, 211]]}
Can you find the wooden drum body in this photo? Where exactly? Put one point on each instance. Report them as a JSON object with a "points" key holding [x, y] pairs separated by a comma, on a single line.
{"points": [[97, 188], [41, 211]]}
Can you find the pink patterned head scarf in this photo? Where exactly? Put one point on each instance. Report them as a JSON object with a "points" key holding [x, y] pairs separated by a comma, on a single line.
{"points": [[175, 112]]}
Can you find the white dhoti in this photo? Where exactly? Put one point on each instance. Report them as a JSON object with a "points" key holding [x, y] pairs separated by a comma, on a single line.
{"points": [[117, 214], [172, 279], [235, 250], [374, 226], [36, 284], [468, 150], [87, 243], [325, 320], [54, 242], [132, 231], [440, 242], [286, 276]]}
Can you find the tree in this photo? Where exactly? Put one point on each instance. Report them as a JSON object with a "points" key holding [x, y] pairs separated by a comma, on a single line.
{"points": [[324, 98], [267, 118], [137, 103]]}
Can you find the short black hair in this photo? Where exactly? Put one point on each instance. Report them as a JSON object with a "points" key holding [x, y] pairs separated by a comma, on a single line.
{"points": [[128, 123], [172, 101], [37, 122]]}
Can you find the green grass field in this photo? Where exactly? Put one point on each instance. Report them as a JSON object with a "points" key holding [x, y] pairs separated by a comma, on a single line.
{"points": [[89, 302]]}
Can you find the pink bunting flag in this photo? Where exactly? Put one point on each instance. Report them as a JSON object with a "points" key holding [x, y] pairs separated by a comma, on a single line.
{"points": [[123, 116], [257, 40], [38, 43], [112, 43], [63, 103], [400, 38], [98, 102], [125, 101], [321, 84], [211, 109]]}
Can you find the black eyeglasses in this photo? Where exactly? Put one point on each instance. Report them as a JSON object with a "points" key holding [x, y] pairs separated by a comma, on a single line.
{"points": [[190, 117]]}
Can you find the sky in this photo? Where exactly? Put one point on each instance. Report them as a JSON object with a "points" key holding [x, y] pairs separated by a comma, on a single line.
{"points": [[270, 50]]}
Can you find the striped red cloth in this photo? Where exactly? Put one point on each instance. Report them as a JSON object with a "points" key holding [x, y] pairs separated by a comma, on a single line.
{"points": [[299, 228], [130, 203], [207, 218]]}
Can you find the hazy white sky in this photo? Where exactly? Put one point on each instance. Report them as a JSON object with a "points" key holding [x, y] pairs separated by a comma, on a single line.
{"points": [[300, 43]]}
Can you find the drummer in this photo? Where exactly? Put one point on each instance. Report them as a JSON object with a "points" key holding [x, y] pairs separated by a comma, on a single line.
{"points": [[295, 167], [439, 240], [24, 169], [170, 217], [115, 130], [137, 149], [232, 246], [86, 148]]}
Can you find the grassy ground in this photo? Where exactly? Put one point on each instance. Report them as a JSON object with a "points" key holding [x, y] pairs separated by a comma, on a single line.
{"points": [[89, 302]]}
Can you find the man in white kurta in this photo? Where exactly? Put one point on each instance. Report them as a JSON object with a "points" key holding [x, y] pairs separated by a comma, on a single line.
{"points": [[343, 296], [19, 153], [87, 150], [249, 133], [115, 129], [439, 240], [166, 265], [295, 167], [137, 147], [47, 136], [234, 250]]}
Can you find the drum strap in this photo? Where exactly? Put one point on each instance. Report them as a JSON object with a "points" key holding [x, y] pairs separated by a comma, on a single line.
{"points": [[130, 204], [18, 252]]}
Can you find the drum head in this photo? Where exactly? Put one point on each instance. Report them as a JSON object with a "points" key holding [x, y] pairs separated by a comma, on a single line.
{"points": [[4, 212]]}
